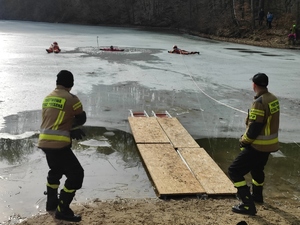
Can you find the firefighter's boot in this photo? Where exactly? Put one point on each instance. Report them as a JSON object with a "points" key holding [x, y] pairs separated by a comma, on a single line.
{"points": [[63, 211], [52, 199], [257, 193], [247, 206]]}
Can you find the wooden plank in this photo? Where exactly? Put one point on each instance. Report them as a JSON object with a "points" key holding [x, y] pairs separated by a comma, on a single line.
{"points": [[207, 172], [168, 172], [147, 130], [177, 134]]}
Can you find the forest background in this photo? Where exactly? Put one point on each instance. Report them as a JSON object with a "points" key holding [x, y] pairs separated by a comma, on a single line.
{"points": [[220, 19]]}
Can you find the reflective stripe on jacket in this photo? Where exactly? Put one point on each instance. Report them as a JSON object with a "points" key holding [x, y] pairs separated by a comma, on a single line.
{"points": [[265, 111], [59, 110]]}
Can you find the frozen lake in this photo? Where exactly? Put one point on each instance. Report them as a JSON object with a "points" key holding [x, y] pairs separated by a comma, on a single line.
{"points": [[209, 93], [152, 79]]}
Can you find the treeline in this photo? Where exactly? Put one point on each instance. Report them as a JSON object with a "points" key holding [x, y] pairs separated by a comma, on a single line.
{"points": [[219, 17]]}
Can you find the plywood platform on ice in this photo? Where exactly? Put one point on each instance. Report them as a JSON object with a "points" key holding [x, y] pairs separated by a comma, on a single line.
{"points": [[168, 172], [177, 134], [175, 162], [207, 171], [146, 130]]}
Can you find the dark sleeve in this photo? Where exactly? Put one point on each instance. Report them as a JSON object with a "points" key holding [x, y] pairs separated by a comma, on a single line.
{"points": [[79, 119], [254, 130], [255, 123]]}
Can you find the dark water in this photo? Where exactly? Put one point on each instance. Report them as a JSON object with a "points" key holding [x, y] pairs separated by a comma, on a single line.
{"points": [[109, 157], [282, 170], [18, 151]]}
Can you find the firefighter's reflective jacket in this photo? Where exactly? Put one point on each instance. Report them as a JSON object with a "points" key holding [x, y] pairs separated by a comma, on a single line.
{"points": [[58, 113], [263, 123]]}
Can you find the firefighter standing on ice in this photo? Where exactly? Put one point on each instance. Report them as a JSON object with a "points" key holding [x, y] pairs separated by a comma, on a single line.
{"points": [[62, 114], [258, 141]]}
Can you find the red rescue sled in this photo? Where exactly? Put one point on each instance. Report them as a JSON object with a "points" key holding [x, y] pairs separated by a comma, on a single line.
{"points": [[51, 50]]}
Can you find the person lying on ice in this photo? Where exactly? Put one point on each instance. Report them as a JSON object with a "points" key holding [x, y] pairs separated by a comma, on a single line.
{"points": [[53, 48], [177, 50]]}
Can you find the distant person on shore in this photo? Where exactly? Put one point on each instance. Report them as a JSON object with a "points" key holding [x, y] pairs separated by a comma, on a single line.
{"points": [[258, 141], [261, 16], [177, 50], [269, 20], [292, 35]]}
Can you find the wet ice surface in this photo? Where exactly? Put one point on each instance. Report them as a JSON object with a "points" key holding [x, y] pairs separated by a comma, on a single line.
{"points": [[209, 94], [212, 86]]}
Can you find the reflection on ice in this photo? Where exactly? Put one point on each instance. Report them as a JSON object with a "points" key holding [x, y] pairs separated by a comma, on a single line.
{"points": [[96, 143], [182, 113], [102, 145], [109, 134], [15, 151], [278, 154]]}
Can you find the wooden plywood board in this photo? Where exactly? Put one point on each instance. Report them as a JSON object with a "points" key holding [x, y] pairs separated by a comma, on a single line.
{"points": [[177, 134], [147, 130], [168, 172], [207, 172]]}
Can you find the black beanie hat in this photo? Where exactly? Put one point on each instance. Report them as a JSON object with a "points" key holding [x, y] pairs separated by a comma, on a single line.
{"points": [[260, 79], [65, 78]]}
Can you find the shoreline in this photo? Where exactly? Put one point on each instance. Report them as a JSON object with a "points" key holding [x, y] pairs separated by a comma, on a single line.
{"points": [[152, 211]]}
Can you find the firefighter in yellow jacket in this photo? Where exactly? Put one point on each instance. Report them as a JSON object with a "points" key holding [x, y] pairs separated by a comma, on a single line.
{"points": [[62, 115], [258, 141]]}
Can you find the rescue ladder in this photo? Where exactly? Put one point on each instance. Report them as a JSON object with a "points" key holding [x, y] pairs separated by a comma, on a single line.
{"points": [[138, 114], [161, 115]]}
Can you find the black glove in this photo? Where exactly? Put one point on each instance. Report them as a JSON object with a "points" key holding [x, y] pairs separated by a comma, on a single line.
{"points": [[243, 146], [77, 134]]}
